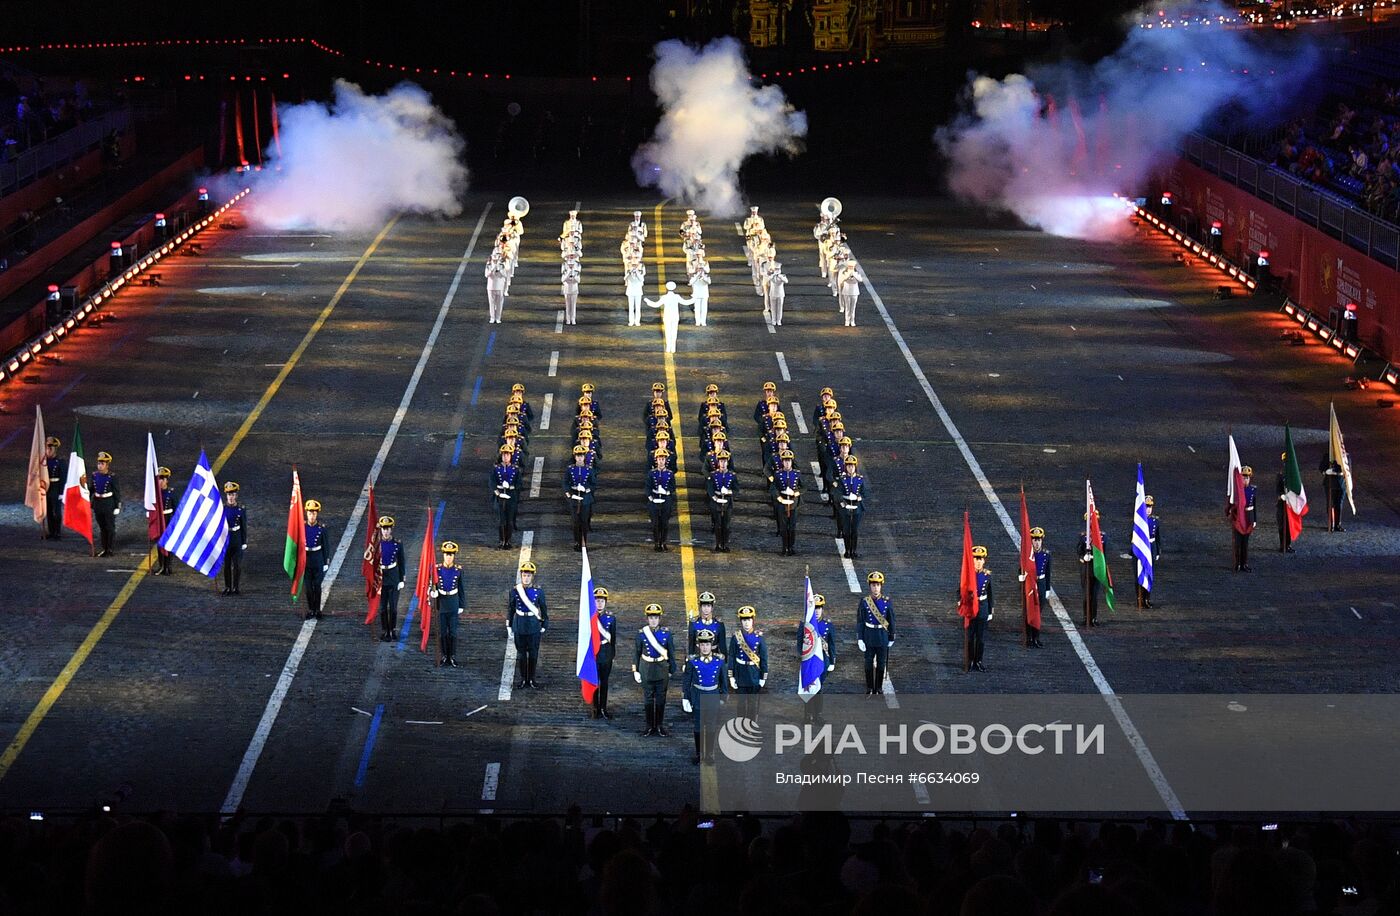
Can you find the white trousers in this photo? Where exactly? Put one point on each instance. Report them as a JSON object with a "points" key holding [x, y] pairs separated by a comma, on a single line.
{"points": [[670, 323], [702, 310], [775, 308], [634, 308], [571, 307], [496, 303], [848, 305]]}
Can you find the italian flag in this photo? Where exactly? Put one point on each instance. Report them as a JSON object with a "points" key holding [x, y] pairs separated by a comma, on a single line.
{"points": [[294, 557], [77, 500], [1095, 540], [1294, 499]]}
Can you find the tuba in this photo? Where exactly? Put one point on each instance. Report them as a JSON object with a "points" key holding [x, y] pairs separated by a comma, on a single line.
{"points": [[830, 208], [519, 206]]}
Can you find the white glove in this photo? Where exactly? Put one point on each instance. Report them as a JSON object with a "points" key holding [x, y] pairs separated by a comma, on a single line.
{"points": [[733, 684], [1021, 577], [685, 704], [542, 630], [762, 681], [117, 511], [326, 568], [892, 638], [509, 632], [860, 644], [245, 546], [637, 676], [459, 612], [830, 668], [400, 586]]}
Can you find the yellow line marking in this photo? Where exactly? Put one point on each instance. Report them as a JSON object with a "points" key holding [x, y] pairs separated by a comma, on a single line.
{"points": [[709, 787], [99, 629]]}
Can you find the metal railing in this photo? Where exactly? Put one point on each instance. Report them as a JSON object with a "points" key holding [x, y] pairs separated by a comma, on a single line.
{"points": [[1330, 213], [60, 150]]}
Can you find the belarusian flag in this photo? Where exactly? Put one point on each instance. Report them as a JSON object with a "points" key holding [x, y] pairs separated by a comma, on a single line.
{"points": [[374, 576], [1294, 498], [294, 557], [1095, 539], [77, 500]]}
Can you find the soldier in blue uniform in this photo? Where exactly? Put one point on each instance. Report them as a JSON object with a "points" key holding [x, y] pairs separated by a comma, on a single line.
{"points": [[770, 392], [1241, 540], [850, 506], [986, 606], [785, 489], [237, 519], [504, 482], [168, 500], [446, 589], [1285, 534], [391, 570], [1041, 556], [875, 632], [607, 652], [517, 394], [653, 666], [748, 662], [705, 619], [578, 494], [588, 390], [527, 619], [661, 498], [106, 502], [704, 684], [1087, 579], [720, 487], [835, 465], [317, 559], [57, 469], [1155, 545], [658, 398]]}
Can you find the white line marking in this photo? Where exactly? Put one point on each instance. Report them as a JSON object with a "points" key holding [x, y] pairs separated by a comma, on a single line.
{"points": [[1073, 328], [195, 396], [491, 782], [559, 322], [817, 474], [850, 567], [1130, 732], [769, 326], [475, 711], [420, 722], [1120, 378], [361, 711], [553, 363], [527, 541], [801, 420], [535, 477], [782, 366], [1357, 613], [347, 537], [544, 413], [1193, 451]]}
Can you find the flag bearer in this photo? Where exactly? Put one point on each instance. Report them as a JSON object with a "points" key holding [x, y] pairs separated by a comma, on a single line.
{"points": [[167, 499], [57, 469], [653, 666], [317, 561], [446, 588], [237, 519], [106, 502], [607, 652], [391, 570]]}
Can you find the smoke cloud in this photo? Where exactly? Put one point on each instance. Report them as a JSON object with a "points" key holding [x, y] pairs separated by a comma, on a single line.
{"points": [[1053, 146], [713, 118], [349, 165]]}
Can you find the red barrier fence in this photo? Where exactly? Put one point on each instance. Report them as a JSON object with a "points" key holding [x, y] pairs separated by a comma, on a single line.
{"points": [[1314, 269]]}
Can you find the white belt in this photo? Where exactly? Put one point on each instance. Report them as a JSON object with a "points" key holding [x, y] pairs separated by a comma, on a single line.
{"points": [[453, 592], [707, 689], [236, 528], [520, 613], [102, 495], [392, 565], [502, 495], [648, 658], [655, 500], [786, 502], [317, 547], [722, 502], [575, 496]]}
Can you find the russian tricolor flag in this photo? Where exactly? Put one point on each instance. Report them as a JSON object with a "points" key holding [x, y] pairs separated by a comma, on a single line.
{"points": [[587, 633]]}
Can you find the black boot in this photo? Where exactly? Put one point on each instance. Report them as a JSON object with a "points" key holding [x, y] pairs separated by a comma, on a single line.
{"points": [[651, 724], [661, 728], [696, 758]]}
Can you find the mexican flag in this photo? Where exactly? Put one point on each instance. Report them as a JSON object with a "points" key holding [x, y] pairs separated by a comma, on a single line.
{"points": [[77, 499], [1094, 538], [294, 557], [1294, 498]]}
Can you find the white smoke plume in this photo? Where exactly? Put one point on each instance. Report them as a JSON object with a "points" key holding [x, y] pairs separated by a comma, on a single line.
{"points": [[350, 165], [1054, 146], [713, 118]]}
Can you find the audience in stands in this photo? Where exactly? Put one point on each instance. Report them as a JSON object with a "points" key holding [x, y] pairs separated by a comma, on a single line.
{"points": [[812, 864], [1353, 150], [32, 113]]}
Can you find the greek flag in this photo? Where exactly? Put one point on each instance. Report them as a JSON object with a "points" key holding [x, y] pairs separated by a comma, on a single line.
{"points": [[1142, 536], [199, 532]]}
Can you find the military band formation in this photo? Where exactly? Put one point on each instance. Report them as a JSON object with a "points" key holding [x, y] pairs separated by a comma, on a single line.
{"points": [[709, 659]]}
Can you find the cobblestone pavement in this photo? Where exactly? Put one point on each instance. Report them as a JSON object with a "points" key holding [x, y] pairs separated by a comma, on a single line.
{"points": [[1054, 359]]}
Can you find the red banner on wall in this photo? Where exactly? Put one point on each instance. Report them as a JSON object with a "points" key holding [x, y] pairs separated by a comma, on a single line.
{"points": [[1317, 271]]}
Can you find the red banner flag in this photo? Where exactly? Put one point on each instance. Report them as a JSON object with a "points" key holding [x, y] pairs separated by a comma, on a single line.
{"points": [[427, 569], [967, 582], [374, 576], [1030, 586]]}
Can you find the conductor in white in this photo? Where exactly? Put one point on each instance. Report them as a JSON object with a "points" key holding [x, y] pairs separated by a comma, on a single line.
{"points": [[670, 305]]}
